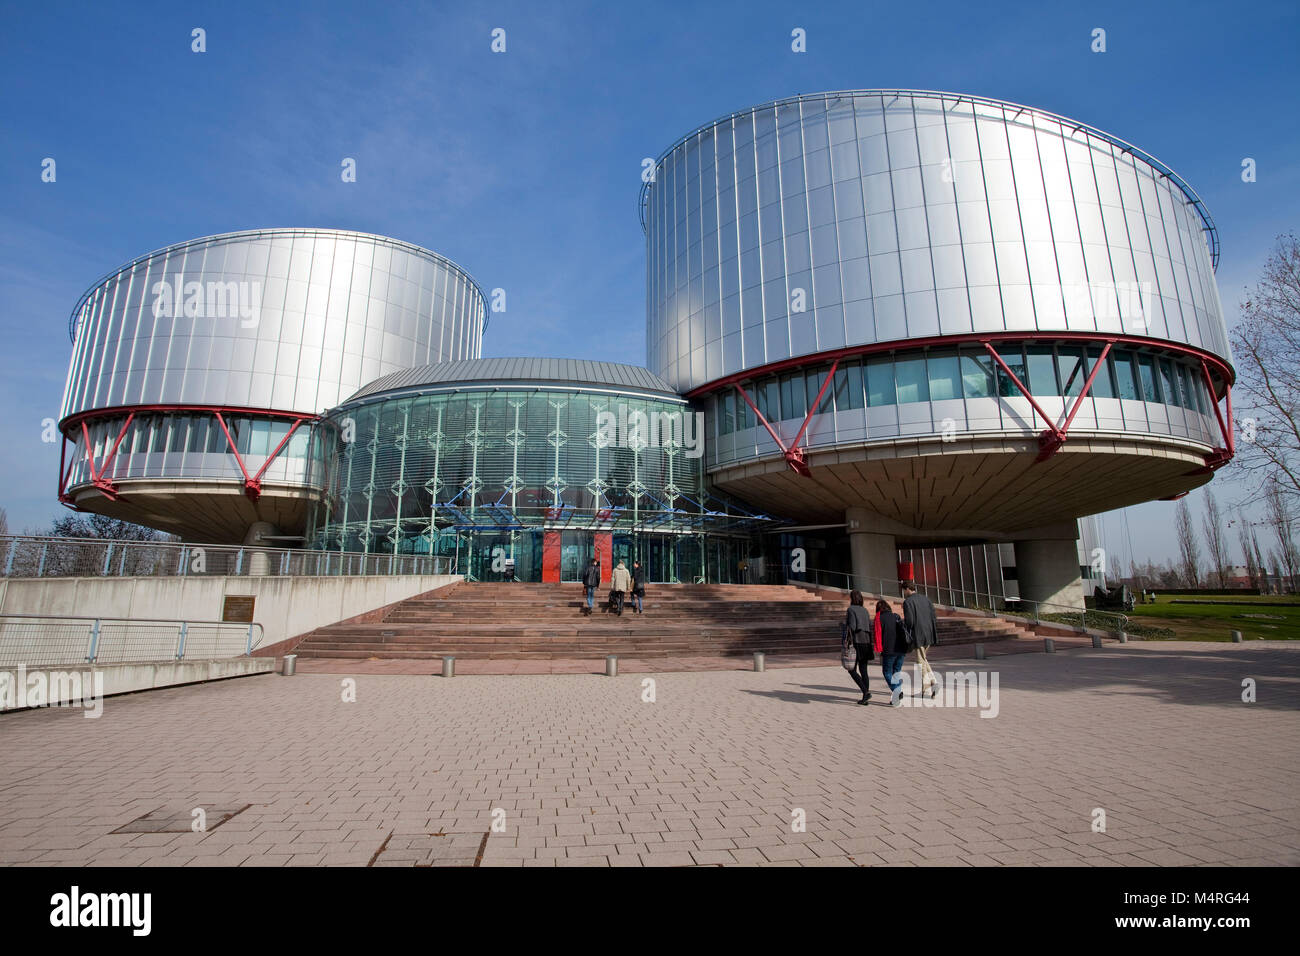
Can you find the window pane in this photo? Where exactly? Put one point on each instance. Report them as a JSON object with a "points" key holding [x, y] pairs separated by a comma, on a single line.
{"points": [[813, 383], [1073, 373], [744, 417], [944, 383], [760, 399], [977, 375], [1147, 376], [1016, 362], [1126, 375], [1167, 387], [880, 382], [772, 389], [1185, 398], [728, 413], [793, 401], [1103, 386], [912, 383], [848, 387], [1042, 371]]}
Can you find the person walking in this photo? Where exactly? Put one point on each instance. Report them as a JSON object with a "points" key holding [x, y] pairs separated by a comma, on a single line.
{"points": [[893, 647], [638, 587], [857, 627], [620, 584], [591, 581], [922, 631]]}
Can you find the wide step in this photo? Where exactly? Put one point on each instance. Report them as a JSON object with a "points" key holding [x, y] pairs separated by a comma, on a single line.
{"points": [[544, 621]]}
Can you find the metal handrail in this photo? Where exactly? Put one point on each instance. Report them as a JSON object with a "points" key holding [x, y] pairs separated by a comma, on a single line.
{"points": [[58, 635], [1075, 126], [33, 556]]}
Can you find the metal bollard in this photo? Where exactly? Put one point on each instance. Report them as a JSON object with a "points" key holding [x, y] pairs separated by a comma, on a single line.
{"points": [[1121, 637], [289, 666], [449, 667], [979, 652], [1236, 637], [760, 661], [1049, 646], [611, 665], [1096, 640]]}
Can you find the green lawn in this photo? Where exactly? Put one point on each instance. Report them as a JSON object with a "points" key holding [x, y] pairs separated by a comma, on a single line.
{"points": [[1251, 615]]}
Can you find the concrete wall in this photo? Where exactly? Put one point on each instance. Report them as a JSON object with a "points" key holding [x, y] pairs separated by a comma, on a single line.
{"points": [[87, 687], [284, 606]]}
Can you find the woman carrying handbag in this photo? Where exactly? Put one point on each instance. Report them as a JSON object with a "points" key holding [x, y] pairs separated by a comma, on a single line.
{"points": [[859, 644]]}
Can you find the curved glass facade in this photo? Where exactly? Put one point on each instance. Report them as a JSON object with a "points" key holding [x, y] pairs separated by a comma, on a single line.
{"points": [[907, 392], [465, 469], [193, 446], [832, 220]]}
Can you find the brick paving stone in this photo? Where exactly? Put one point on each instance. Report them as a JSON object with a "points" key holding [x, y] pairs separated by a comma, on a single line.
{"points": [[1156, 735]]}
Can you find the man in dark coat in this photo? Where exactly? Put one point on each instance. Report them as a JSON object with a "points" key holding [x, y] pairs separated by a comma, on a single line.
{"points": [[638, 587], [591, 581], [922, 630]]}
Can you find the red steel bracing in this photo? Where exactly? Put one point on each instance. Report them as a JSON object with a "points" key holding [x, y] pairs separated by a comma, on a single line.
{"points": [[97, 478], [1221, 456], [257, 478], [252, 485], [1051, 439], [794, 455], [770, 430], [90, 451], [1050, 442]]}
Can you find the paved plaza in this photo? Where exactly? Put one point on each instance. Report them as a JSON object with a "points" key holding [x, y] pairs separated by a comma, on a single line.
{"points": [[581, 769]]}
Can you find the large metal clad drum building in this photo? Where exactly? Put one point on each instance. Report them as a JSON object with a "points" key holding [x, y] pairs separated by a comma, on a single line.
{"points": [[199, 371], [896, 306]]}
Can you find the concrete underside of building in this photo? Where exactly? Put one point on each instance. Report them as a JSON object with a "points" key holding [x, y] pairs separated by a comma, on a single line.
{"points": [[208, 512], [979, 489]]}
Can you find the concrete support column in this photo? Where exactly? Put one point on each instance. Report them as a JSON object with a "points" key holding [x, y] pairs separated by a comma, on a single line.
{"points": [[259, 562], [873, 552], [1047, 570]]}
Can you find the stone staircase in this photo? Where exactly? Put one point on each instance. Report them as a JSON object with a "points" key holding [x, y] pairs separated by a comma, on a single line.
{"points": [[544, 622]]}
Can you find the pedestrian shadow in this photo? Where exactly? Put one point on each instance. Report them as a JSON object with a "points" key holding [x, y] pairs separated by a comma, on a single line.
{"points": [[794, 697]]}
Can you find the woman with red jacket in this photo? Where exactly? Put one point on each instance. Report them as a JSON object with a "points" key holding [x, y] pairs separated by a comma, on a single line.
{"points": [[891, 641]]}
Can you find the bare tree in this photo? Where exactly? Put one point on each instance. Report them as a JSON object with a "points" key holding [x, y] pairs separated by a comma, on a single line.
{"points": [[1244, 535], [1259, 559], [4, 521], [1279, 581], [1266, 347], [101, 526], [1216, 540], [1189, 549], [1279, 519]]}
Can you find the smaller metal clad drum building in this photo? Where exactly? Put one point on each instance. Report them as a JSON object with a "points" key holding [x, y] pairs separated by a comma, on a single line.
{"points": [[199, 371], [545, 461], [937, 318]]}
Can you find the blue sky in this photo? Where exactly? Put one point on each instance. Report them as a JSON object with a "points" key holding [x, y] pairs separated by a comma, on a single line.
{"points": [[524, 167]]}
